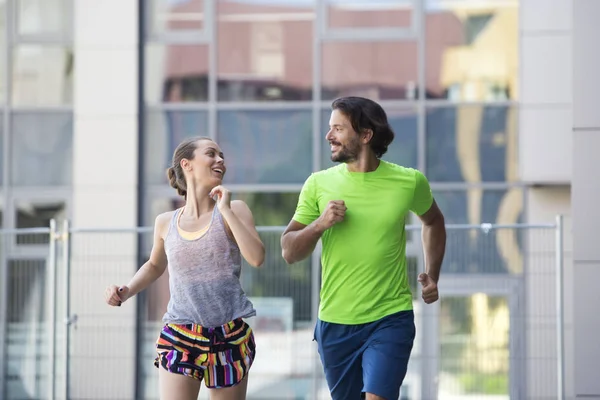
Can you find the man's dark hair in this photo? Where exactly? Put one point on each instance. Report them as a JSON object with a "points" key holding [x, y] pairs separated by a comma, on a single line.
{"points": [[367, 114]]}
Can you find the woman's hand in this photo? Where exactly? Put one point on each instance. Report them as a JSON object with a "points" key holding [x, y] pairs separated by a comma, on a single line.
{"points": [[115, 296], [223, 197]]}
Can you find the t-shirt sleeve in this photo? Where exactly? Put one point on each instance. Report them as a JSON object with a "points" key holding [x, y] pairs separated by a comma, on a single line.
{"points": [[307, 209], [422, 198]]}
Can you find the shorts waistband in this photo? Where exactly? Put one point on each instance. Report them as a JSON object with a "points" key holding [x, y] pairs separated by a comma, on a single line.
{"points": [[223, 330]]}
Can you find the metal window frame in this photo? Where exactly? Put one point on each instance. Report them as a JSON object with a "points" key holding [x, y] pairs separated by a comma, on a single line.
{"points": [[6, 76]]}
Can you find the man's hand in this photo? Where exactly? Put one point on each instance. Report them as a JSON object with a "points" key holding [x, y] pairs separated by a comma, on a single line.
{"points": [[430, 291], [333, 214]]}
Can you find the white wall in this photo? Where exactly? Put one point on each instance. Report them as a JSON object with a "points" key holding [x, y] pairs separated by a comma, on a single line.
{"points": [[546, 91], [585, 195]]}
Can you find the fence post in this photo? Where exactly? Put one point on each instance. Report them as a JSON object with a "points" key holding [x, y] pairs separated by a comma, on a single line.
{"points": [[314, 305], [52, 270], [67, 307], [560, 308]]}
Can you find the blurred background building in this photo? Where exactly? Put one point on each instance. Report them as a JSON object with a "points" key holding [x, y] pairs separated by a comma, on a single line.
{"points": [[95, 96]]}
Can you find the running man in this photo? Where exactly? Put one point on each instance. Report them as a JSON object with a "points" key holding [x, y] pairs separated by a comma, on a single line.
{"points": [[366, 329]]}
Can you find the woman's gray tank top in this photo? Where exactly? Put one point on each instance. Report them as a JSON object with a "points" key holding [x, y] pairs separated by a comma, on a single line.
{"points": [[204, 277]]}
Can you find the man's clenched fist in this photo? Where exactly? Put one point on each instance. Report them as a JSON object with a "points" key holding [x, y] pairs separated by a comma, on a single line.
{"points": [[333, 214]]}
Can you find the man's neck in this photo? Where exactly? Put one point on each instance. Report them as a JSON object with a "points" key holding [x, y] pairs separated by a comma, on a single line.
{"points": [[367, 163]]}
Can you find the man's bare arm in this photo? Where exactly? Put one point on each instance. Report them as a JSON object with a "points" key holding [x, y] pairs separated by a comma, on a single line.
{"points": [[299, 240], [434, 240]]}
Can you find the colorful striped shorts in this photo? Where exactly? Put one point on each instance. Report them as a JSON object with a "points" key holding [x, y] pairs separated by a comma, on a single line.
{"points": [[222, 356]]}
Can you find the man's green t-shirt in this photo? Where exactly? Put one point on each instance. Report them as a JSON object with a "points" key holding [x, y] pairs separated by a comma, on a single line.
{"points": [[363, 258]]}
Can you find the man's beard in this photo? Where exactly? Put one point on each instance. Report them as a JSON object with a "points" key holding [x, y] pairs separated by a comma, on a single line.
{"points": [[346, 154]]}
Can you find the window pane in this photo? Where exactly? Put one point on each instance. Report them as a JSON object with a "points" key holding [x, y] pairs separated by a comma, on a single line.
{"points": [[44, 17], [477, 206], [176, 73], [42, 149], [27, 343], [472, 143], [266, 146], [177, 15], [42, 75], [265, 52], [378, 70], [474, 345], [270, 209], [164, 131], [472, 51], [475, 250], [369, 14], [402, 151]]}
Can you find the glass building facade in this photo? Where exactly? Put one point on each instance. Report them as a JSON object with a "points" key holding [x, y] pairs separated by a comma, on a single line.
{"points": [[259, 77]]}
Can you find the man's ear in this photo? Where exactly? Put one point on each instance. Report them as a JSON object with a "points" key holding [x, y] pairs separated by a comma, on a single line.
{"points": [[367, 135]]}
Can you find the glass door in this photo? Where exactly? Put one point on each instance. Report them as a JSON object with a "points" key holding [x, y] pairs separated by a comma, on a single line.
{"points": [[480, 339]]}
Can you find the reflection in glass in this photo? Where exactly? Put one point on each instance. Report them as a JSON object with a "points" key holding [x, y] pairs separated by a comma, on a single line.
{"points": [[474, 346], [475, 250], [369, 14], [164, 131], [266, 146], [177, 15], [270, 209], [277, 279], [27, 316], [402, 151], [44, 17], [42, 149], [176, 73], [472, 144], [472, 52], [42, 75], [265, 52], [377, 70], [35, 214]]}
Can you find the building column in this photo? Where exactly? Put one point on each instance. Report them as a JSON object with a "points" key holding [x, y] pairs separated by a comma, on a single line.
{"points": [[545, 119], [105, 166], [585, 196]]}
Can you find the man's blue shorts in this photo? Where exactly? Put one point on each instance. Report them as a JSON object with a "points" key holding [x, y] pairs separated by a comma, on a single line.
{"points": [[366, 358]]}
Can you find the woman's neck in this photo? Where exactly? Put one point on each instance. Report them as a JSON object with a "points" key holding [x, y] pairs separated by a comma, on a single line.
{"points": [[197, 203]]}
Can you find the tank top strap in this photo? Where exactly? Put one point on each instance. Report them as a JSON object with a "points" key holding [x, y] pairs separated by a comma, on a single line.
{"points": [[173, 223]]}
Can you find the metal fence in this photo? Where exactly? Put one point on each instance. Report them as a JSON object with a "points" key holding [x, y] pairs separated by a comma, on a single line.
{"points": [[495, 334]]}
